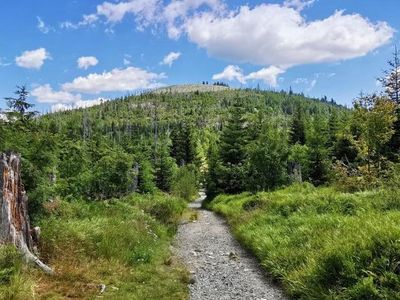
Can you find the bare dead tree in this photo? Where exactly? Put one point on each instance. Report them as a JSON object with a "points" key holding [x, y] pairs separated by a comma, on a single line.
{"points": [[391, 77], [14, 220]]}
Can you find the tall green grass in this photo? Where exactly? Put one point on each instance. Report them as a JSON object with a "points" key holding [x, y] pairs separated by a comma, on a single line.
{"points": [[120, 243], [320, 243]]}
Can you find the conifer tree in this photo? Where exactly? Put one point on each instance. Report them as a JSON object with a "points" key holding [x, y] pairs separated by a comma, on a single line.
{"points": [[297, 132], [232, 152], [20, 107], [165, 167]]}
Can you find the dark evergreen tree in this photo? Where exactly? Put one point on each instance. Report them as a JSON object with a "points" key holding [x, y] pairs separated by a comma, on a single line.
{"points": [[164, 167], [233, 137], [319, 153], [20, 107], [297, 132], [232, 152], [182, 144]]}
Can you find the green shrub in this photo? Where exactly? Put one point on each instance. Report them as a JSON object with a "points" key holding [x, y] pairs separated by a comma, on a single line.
{"points": [[185, 183]]}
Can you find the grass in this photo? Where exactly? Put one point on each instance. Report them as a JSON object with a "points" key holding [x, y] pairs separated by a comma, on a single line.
{"points": [[123, 244], [320, 243]]}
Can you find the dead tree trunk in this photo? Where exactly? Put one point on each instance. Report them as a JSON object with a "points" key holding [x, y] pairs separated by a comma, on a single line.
{"points": [[14, 220]]}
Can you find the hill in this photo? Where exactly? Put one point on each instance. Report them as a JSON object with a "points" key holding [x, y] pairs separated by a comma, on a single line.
{"points": [[190, 88], [131, 153]]}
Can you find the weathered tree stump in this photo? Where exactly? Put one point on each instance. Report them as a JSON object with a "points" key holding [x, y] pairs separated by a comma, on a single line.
{"points": [[14, 220]]}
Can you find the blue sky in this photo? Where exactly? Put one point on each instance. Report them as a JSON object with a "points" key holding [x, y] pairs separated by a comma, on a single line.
{"points": [[72, 53]]}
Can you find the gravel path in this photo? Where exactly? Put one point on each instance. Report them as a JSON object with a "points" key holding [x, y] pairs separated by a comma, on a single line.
{"points": [[219, 267]]}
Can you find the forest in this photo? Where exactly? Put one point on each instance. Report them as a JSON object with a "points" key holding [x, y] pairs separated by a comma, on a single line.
{"points": [[310, 187]]}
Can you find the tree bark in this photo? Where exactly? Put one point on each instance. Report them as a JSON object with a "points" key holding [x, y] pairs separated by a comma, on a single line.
{"points": [[14, 220]]}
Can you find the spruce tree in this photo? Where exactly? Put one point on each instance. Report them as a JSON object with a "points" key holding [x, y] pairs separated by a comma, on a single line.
{"points": [[233, 137], [164, 167], [232, 152], [297, 132], [20, 107]]}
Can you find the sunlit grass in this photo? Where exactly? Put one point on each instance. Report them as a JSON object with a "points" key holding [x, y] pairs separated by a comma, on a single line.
{"points": [[122, 244], [321, 243]]}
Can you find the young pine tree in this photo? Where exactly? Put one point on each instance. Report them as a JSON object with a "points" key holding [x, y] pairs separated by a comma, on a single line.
{"points": [[297, 132], [232, 152]]}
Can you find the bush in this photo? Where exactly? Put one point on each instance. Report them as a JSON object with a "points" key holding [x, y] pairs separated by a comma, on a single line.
{"points": [[185, 183]]}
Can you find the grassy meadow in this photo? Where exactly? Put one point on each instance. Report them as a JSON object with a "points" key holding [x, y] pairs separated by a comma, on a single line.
{"points": [[320, 243]]}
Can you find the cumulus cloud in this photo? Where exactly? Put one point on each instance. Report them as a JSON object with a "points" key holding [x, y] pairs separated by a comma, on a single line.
{"points": [[62, 100], [32, 59], [266, 34], [177, 11], [86, 62], [45, 94], [231, 73], [271, 34], [117, 80], [171, 58], [268, 75], [148, 13]]}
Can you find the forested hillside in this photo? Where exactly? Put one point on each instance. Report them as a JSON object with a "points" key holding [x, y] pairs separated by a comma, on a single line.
{"points": [[136, 143], [148, 144]]}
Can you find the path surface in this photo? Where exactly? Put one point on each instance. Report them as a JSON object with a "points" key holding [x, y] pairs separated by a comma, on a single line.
{"points": [[219, 267]]}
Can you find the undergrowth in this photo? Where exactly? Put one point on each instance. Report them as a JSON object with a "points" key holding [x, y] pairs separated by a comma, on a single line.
{"points": [[122, 244], [320, 243]]}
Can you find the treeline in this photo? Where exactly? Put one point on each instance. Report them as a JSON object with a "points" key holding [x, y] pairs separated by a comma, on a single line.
{"points": [[266, 148]]}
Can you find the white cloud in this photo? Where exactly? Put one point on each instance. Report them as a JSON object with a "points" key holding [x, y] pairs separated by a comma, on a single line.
{"points": [[176, 12], [86, 62], [298, 5], [144, 11], [79, 104], [271, 34], [268, 75], [42, 26], [45, 94], [62, 100], [149, 13], [171, 58], [68, 25], [127, 60], [32, 59], [231, 73], [117, 80], [87, 20]]}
